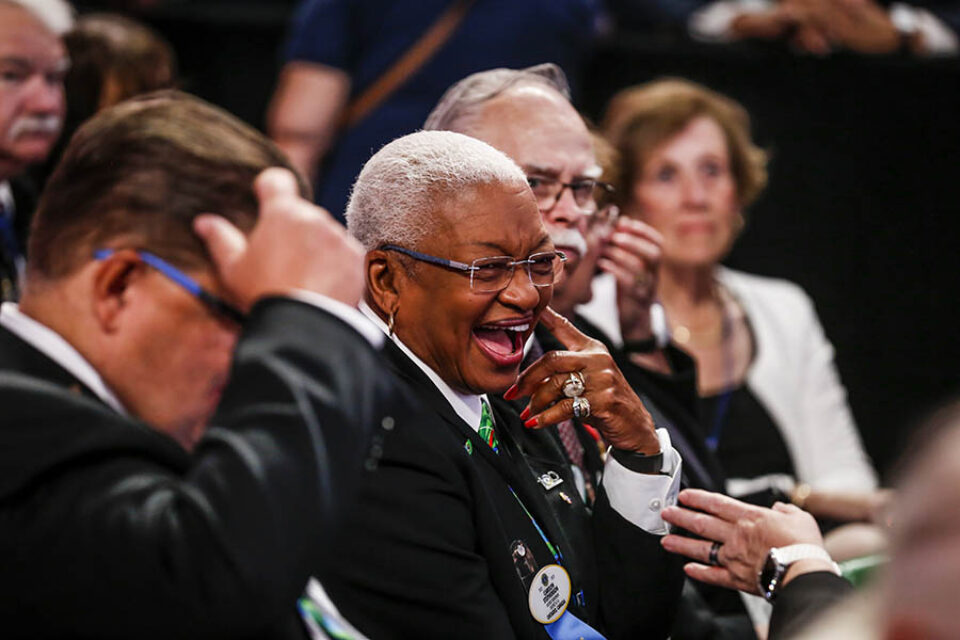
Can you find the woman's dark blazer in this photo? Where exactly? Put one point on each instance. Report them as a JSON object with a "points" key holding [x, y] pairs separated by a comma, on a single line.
{"points": [[429, 552]]}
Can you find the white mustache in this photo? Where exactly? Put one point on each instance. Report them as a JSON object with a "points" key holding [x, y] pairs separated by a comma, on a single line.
{"points": [[566, 237], [31, 125]]}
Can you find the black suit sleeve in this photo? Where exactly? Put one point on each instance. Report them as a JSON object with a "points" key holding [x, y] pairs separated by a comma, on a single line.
{"points": [[803, 599], [128, 537], [640, 583]]}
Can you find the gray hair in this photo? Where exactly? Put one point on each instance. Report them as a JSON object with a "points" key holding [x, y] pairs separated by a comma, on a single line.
{"points": [[56, 15], [410, 177], [463, 101]]}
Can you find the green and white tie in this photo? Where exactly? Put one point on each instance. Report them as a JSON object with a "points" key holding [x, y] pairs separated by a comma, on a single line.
{"points": [[486, 432]]}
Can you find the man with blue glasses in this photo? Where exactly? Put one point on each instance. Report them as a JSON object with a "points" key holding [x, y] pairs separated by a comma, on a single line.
{"points": [[177, 434]]}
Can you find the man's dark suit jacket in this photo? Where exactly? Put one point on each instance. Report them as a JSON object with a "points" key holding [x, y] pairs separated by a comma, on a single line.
{"points": [[429, 554], [109, 529], [803, 599]]}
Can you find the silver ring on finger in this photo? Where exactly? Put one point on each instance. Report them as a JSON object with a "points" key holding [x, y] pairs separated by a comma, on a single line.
{"points": [[581, 408], [573, 387], [714, 557]]}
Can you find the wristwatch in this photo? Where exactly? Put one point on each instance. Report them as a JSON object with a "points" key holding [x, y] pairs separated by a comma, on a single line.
{"points": [[779, 560], [636, 461]]}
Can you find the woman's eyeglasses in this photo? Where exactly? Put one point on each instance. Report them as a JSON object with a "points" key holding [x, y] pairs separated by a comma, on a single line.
{"points": [[489, 275]]}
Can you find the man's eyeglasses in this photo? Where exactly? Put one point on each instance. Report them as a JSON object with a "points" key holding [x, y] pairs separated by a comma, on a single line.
{"points": [[488, 275], [586, 192], [214, 303]]}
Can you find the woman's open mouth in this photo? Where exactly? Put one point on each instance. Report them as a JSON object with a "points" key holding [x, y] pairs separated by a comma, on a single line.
{"points": [[502, 341]]}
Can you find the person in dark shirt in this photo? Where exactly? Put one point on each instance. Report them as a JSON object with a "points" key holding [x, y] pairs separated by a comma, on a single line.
{"points": [[339, 48]]}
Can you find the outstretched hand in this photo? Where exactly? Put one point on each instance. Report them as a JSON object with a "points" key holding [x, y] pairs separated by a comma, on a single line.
{"points": [[746, 533], [294, 245]]}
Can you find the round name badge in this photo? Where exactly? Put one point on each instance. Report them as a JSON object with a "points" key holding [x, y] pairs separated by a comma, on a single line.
{"points": [[549, 594]]}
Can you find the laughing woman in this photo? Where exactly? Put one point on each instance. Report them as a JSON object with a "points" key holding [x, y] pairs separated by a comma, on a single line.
{"points": [[458, 531]]}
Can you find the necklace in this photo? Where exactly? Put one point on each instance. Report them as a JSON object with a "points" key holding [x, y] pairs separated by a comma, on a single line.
{"points": [[712, 333]]}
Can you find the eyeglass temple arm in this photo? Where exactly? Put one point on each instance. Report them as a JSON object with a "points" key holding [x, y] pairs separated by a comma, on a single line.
{"points": [[191, 285], [184, 281], [443, 262]]}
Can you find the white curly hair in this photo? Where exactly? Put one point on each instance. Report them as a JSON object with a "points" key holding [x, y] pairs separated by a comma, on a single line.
{"points": [[413, 175]]}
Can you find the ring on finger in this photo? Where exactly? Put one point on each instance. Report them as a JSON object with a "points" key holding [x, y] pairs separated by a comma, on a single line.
{"points": [[573, 387], [581, 408], [641, 279], [714, 557]]}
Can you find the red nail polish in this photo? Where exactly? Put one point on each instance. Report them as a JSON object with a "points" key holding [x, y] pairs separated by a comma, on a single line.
{"points": [[510, 393], [532, 422], [525, 414]]}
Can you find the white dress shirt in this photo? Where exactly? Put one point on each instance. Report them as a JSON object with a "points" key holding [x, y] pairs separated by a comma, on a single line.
{"points": [[638, 497], [55, 347]]}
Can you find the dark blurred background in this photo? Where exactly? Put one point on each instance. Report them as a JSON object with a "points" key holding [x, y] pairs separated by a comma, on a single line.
{"points": [[862, 205]]}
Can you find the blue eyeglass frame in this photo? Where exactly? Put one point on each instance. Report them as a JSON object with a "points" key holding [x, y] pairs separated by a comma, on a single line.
{"points": [[214, 303], [471, 269]]}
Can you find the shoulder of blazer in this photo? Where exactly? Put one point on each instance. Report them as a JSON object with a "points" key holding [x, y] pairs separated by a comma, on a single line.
{"points": [[45, 427], [760, 293]]}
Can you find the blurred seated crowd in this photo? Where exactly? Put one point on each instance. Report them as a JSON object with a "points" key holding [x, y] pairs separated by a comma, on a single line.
{"points": [[435, 356]]}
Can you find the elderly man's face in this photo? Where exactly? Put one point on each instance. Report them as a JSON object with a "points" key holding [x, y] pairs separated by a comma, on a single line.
{"points": [[169, 356], [545, 135], [474, 340], [33, 62]]}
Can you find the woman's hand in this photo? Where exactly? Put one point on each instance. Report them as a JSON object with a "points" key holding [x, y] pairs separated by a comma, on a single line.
{"points": [[615, 410]]}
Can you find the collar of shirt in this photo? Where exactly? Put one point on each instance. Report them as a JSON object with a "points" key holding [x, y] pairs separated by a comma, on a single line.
{"points": [[466, 405], [57, 349]]}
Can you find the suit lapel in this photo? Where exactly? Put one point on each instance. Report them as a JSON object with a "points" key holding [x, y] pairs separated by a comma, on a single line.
{"points": [[429, 394], [531, 494], [510, 463]]}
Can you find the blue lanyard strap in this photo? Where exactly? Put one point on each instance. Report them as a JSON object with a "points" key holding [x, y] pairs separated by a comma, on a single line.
{"points": [[723, 402], [555, 551]]}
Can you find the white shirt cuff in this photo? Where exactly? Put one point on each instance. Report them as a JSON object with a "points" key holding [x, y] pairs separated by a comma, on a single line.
{"points": [[713, 23], [639, 497], [350, 315], [938, 38]]}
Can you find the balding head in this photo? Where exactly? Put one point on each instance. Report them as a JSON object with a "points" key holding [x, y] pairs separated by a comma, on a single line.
{"points": [[462, 102]]}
